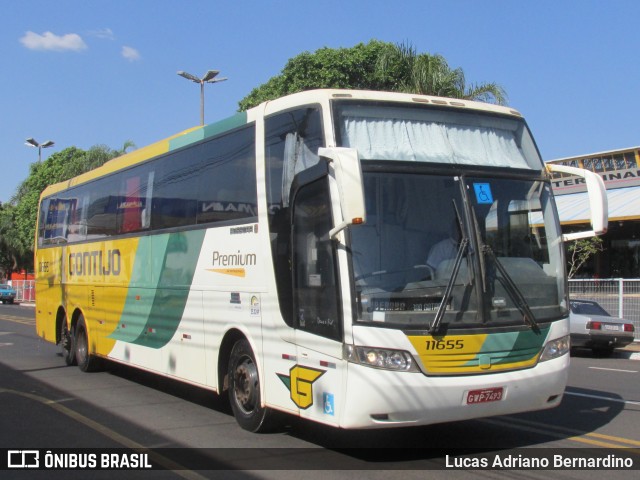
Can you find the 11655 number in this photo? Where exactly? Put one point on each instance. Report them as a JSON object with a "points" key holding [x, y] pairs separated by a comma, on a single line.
{"points": [[445, 344]]}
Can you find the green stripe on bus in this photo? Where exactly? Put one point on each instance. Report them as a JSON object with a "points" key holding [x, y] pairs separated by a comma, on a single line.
{"points": [[142, 285], [207, 131], [511, 347], [155, 321]]}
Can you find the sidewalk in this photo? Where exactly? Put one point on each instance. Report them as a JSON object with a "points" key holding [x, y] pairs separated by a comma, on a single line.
{"points": [[633, 347]]}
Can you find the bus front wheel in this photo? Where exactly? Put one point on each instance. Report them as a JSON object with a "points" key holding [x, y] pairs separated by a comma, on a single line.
{"points": [[244, 389]]}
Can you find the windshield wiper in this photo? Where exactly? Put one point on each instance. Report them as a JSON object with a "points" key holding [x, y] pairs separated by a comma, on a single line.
{"points": [[435, 326], [513, 291]]}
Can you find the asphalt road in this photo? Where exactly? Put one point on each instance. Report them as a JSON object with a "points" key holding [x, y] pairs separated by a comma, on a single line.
{"points": [[46, 405]]}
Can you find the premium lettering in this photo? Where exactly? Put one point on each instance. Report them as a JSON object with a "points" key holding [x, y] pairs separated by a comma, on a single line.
{"points": [[95, 262], [234, 259]]}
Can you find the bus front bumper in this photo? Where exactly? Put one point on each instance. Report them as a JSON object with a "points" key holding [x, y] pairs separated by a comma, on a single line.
{"points": [[380, 398]]}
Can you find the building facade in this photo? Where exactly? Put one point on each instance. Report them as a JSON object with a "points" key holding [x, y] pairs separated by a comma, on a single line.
{"points": [[620, 170]]}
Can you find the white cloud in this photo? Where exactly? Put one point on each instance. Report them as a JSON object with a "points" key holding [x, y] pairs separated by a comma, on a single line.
{"points": [[130, 53], [51, 41], [104, 33]]}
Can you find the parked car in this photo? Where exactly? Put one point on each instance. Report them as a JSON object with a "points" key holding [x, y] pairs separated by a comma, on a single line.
{"points": [[7, 293], [592, 327]]}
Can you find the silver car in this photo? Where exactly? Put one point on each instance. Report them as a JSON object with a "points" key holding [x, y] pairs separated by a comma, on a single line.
{"points": [[592, 327]]}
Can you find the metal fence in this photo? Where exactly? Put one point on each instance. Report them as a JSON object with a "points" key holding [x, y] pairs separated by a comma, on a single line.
{"points": [[618, 296], [25, 290]]}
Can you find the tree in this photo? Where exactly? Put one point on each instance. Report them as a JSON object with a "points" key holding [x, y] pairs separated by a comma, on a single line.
{"points": [[580, 251], [373, 66], [355, 67], [11, 253], [427, 74]]}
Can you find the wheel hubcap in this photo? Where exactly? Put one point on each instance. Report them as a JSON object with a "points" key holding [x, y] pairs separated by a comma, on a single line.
{"points": [[81, 351], [246, 385]]}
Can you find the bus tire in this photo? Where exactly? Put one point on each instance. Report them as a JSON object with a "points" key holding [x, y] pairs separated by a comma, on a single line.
{"points": [[244, 389], [67, 344], [86, 361]]}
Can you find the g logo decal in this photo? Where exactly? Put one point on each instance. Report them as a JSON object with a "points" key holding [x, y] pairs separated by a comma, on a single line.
{"points": [[300, 384]]}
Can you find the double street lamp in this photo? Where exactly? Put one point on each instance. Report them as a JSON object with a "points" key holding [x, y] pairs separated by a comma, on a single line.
{"points": [[30, 142], [209, 77]]}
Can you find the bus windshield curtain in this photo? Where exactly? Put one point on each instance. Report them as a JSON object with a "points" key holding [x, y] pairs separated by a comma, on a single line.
{"points": [[297, 157], [412, 140]]}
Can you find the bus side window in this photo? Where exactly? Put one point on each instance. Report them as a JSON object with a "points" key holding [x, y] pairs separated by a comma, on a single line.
{"points": [[316, 289], [42, 227], [101, 214], [174, 197], [133, 214], [227, 181], [289, 137], [78, 218]]}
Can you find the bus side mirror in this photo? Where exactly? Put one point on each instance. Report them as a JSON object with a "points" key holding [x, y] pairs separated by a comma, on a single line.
{"points": [[597, 201], [348, 175]]}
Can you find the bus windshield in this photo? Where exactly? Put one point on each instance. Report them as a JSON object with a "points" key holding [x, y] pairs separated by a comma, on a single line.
{"points": [[508, 269], [451, 250]]}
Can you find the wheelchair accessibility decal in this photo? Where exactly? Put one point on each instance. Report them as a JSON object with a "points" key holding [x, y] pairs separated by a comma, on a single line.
{"points": [[483, 193], [300, 384], [329, 404]]}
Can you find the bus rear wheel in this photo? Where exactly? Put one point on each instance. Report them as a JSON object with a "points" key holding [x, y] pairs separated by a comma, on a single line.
{"points": [[244, 389], [86, 361], [67, 344]]}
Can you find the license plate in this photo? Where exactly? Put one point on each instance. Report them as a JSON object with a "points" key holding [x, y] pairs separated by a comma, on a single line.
{"points": [[612, 327], [484, 395]]}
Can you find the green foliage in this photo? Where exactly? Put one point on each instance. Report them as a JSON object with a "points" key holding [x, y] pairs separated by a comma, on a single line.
{"points": [[355, 68], [580, 251], [373, 66], [428, 74]]}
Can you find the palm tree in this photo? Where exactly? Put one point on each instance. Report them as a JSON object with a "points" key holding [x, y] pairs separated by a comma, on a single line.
{"points": [[431, 75]]}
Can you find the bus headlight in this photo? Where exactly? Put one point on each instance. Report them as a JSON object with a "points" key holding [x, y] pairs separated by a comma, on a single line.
{"points": [[387, 359], [555, 348]]}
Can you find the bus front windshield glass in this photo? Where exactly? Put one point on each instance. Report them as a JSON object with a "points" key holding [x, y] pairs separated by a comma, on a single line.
{"points": [[482, 251], [451, 250]]}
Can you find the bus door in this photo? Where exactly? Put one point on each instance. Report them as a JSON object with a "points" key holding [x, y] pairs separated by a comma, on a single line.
{"points": [[316, 379]]}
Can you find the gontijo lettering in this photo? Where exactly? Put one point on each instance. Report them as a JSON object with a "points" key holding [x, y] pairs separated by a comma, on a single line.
{"points": [[95, 262]]}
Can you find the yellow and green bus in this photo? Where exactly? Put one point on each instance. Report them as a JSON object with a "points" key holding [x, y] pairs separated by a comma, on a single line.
{"points": [[359, 259]]}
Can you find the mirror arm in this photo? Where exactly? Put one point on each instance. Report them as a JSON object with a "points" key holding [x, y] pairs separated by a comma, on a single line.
{"points": [[597, 194], [333, 233]]}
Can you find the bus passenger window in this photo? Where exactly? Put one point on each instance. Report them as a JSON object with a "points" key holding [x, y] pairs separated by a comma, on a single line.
{"points": [[133, 214]]}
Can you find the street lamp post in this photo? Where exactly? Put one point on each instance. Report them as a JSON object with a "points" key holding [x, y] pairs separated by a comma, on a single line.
{"points": [[30, 142], [209, 77]]}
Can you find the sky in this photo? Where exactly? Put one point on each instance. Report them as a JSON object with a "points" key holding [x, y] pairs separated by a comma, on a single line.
{"points": [[96, 72]]}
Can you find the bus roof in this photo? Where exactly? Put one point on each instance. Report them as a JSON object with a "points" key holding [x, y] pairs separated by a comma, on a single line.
{"points": [[322, 96]]}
